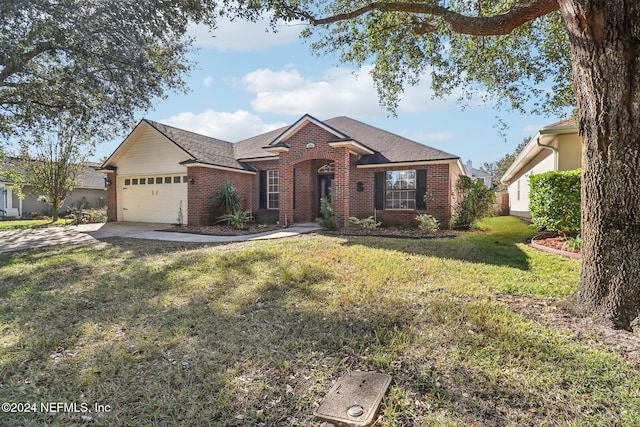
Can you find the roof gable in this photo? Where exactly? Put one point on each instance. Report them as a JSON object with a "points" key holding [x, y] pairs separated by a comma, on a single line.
{"points": [[302, 122], [376, 146]]}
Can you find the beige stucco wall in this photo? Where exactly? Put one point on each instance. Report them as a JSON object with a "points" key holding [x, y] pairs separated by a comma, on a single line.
{"points": [[519, 187], [149, 153], [569, 157], [569, 152]]}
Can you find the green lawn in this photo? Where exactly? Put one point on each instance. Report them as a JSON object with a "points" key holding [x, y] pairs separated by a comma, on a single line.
{"points": [[254, 333], [31, 223]]}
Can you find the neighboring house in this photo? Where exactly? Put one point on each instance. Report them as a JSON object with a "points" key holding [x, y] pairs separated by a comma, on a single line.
{"points": [[556, 147], [478, 174], [162, 174], [90, 187]]}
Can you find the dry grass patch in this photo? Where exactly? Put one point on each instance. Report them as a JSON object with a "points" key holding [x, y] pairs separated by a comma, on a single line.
{"points": [[254, 333]]}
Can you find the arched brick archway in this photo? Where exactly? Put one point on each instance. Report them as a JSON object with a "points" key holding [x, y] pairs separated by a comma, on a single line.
{"points": [[298, 169]]}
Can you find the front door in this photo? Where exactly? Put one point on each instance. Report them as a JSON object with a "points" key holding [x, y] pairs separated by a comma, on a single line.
{"points": [[325, 189]]}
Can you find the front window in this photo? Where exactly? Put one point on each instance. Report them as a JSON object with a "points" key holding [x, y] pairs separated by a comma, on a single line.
{"points": [[273, 189], [401, 189]]}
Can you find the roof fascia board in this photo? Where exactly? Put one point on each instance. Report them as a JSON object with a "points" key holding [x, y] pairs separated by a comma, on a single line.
{"points": [[210, 166], [531, 150], [418, 163], [257, 159], [128, 141], [353, 146]]}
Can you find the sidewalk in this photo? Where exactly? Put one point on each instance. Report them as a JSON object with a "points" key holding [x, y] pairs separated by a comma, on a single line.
{"points": [[16, 240]]}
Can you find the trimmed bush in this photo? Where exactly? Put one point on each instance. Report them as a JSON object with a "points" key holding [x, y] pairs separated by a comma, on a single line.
{"points": [[475, 201], [427, 223], [554, 201], [365, 223]]}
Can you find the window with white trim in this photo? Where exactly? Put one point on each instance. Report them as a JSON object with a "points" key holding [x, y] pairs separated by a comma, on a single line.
{"points": [[400, 189], [273, 189]]}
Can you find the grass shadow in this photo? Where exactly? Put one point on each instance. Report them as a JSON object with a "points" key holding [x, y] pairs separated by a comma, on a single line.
{"points": [[497, 245]]}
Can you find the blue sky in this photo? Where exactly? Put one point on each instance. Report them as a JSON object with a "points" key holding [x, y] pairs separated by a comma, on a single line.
{"points": [[247, 81]]}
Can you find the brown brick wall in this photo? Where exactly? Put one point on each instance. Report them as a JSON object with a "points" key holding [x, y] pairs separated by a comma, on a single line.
{"points": [[207, 182], [438, 196], [299, 157], [269, 216], [112, 197]]}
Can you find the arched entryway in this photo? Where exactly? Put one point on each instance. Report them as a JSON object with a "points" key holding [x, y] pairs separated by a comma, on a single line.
{"points": [[313, 180]]}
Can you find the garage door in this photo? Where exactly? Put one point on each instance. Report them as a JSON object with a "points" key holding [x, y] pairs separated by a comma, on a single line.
{"points": [[153, 198]]}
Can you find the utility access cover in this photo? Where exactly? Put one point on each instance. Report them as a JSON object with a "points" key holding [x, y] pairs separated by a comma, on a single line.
{"points": [[355, 399]]}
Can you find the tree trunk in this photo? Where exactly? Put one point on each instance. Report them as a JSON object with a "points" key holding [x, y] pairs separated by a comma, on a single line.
{"points": [[605, 42]]}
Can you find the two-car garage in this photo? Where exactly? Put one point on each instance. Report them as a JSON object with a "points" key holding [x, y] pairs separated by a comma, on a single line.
{"points": [[153, 198]]}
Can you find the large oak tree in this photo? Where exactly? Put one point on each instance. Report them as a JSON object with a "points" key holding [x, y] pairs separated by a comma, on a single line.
{"points": [[103, 60], [517, 51]]}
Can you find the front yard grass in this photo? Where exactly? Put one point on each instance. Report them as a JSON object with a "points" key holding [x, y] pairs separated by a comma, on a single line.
{"points": [[254, 333], [22, 224]]}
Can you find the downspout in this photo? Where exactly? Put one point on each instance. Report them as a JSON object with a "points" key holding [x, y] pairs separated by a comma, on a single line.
{"points": [[552, 148]]}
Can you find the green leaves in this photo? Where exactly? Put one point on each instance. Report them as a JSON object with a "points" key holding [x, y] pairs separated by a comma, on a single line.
{"points": [[529, 68], [102, 61], [554, 200]]}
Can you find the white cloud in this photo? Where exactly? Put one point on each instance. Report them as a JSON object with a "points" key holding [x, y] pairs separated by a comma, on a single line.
{"points": [[265, 80], [340, 91], [207, 81], [531, 130], [242, 35], [226, 126]]}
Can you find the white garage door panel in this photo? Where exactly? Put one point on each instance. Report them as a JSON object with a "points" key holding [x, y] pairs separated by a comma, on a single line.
{"points": [[153, 202]]}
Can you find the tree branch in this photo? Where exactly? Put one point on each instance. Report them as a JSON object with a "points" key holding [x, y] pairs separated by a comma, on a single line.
{"points": [[504, 23], [16, 66]]}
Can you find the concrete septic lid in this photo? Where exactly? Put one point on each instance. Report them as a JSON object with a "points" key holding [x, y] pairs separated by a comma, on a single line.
{"points": [[355, 399]]}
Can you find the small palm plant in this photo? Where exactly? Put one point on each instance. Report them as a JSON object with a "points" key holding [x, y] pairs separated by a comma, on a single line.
{"points": [[237, 219], [228, 198]]}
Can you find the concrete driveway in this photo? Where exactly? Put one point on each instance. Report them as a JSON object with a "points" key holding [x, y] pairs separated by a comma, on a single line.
{"points": [[16, 240]]}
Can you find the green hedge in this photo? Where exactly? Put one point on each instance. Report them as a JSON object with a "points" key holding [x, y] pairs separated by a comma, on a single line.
{"points": [[554, 200]]}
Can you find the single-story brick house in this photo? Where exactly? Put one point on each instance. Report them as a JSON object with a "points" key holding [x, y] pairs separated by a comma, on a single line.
{"points": [[163, 174]]}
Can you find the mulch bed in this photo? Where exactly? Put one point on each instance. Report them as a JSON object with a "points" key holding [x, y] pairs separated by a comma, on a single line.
{"points": [[225, 230], [406, 233], [554, 243]]}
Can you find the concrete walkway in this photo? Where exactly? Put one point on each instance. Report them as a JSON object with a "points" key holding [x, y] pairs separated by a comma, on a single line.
{"points": [[16, 240]]}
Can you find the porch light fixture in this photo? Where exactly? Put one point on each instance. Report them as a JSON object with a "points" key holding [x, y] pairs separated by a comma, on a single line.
{"points": [[191, 180], [360, 186], [107, 182]]}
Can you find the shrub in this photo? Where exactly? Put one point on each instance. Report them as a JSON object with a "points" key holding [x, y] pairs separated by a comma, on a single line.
{"points": [[475, 201], [427, 223], [326, 220], [228, 198], [238, 219], [365, 223], [554, 200]]}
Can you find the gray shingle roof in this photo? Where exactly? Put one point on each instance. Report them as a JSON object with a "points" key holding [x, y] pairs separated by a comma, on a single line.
{"points": [[90, 177], [202, 148], [388, 147]]}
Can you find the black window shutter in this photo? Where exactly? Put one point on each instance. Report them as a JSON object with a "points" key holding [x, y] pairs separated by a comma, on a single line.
{"points": [[378, 186], [263, 189], [421, 188]]}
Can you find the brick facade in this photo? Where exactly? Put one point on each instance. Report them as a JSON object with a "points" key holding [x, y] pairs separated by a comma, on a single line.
{"points": [[438, 195], [309, 149], [299, 198], [112, 197], [205, 184]]}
